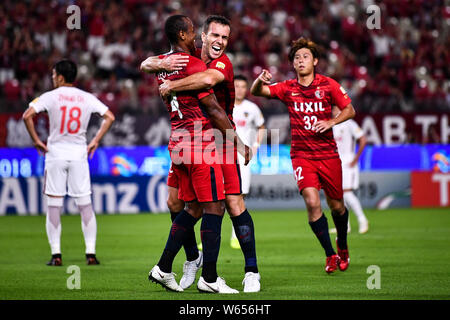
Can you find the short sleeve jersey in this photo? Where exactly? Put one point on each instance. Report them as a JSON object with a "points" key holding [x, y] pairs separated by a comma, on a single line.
{"points": [[346, 134], [247, 118], [69, 110], [186, 113], [306, 106]]}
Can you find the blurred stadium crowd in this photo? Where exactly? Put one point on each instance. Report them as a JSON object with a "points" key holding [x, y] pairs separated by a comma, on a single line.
{"points": [[402, 67]]}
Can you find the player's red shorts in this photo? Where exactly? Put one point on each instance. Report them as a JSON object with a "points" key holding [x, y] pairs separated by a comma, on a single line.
{"points": [[231, 170], [172, 180], [200, 182], [326, 174]]}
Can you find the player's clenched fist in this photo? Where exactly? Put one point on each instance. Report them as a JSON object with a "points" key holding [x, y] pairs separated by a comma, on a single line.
{"points": [[265, 76]]}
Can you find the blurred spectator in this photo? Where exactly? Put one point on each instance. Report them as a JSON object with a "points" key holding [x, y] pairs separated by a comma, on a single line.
{"points": [[402, 67]]}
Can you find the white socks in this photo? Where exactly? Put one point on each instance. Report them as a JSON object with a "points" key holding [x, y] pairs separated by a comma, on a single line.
{"points": [[352, 201], [89, 227], [53, 223]]}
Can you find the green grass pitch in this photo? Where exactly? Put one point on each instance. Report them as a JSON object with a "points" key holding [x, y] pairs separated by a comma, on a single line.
{"points": [[410, 246]]}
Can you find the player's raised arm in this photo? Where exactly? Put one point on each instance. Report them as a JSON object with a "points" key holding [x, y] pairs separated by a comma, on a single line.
{"points": [[200, 80], [108, 119], [27, 117], [260, 85], [221, 121], [170, 63]]}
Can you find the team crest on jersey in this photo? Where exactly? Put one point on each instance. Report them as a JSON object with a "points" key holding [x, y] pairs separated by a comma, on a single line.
{"points": [[246, 114], [319, 94], [220, 65]]}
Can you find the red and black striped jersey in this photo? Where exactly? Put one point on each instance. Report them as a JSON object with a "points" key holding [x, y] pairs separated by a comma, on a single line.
{"points": [[306, 106], [186, 114]]}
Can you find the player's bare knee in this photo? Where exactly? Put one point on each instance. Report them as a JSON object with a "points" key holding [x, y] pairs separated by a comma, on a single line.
{"points": [[83, 201], [175, 205], [213, 208], [235, 205]]}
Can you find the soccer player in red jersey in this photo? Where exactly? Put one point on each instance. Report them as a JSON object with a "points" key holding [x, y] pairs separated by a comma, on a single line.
{"points": [[192, 114], [315, 159], [220, 77]]}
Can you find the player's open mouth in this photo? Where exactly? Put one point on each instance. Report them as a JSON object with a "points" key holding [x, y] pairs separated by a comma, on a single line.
{"points": [[216, 49]]}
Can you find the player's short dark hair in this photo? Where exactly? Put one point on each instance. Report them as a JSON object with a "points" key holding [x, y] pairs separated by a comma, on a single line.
{"points": [[241, 77], [67, 68], [303, 43], [217, 19], [175, 24]]}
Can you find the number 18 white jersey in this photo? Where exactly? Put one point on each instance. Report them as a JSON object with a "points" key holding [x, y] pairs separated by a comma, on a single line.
{"points": [[69, 111]]}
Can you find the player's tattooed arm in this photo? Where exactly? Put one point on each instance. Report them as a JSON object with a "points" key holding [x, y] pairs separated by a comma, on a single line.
{"points": [[27, 117], [105, 126], [197, 81], [221, 121], [170, 63], [323, 125], [260, 85]]}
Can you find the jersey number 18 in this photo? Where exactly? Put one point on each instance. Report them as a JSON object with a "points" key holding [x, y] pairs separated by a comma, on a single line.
{"points": [[74, 116]]}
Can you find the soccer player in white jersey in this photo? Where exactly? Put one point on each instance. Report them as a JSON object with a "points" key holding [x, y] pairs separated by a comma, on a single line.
{"points": [[66, 166], [347, 134], [249, 123]]}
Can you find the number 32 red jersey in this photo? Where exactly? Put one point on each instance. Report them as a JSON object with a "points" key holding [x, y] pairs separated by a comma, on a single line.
{"points": [[306, 106]]}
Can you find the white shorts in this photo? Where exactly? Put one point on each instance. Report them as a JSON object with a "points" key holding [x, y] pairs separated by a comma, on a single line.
{"points": [[350, 177], [63, 177], [245, 175]]}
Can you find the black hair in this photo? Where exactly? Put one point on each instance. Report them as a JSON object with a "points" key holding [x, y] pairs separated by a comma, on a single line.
{"points": [[241, 77], [303, 43], [67, 68], [175, 24], [216, 19]]}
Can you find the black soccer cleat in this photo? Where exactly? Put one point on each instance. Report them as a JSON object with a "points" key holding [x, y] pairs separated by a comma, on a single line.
{"points": [[91, 259], [56, 260]]}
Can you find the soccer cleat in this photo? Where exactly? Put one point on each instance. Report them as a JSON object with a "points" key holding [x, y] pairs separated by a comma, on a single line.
{"points": [[190, 269], [215, 287], [56, 260], [332, 263], [251, 282], [91, 259], [167, 280], [200, 246], [344, 258], [234, 243], [364, 227]]}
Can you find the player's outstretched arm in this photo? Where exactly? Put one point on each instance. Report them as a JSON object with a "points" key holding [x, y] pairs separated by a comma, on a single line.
{"points": [[170, 63], [27, 117], [260, 85], [197, 81], [108, 119], [347, 113], [220, 121]]}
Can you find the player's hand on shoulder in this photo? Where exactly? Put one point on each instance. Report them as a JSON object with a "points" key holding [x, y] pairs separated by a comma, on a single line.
{"points": [[165, 88], [265, 76], [93, 145], [175, 62]]}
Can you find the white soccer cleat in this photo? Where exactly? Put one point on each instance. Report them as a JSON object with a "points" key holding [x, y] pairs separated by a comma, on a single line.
{"points": [[364, 227], [190, 269], [215, 287], [251, 282], [167, 280]]}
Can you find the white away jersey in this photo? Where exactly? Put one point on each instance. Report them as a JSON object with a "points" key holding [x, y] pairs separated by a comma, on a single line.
{"points": [[346, 133], [248, 118], [69, 110]]}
